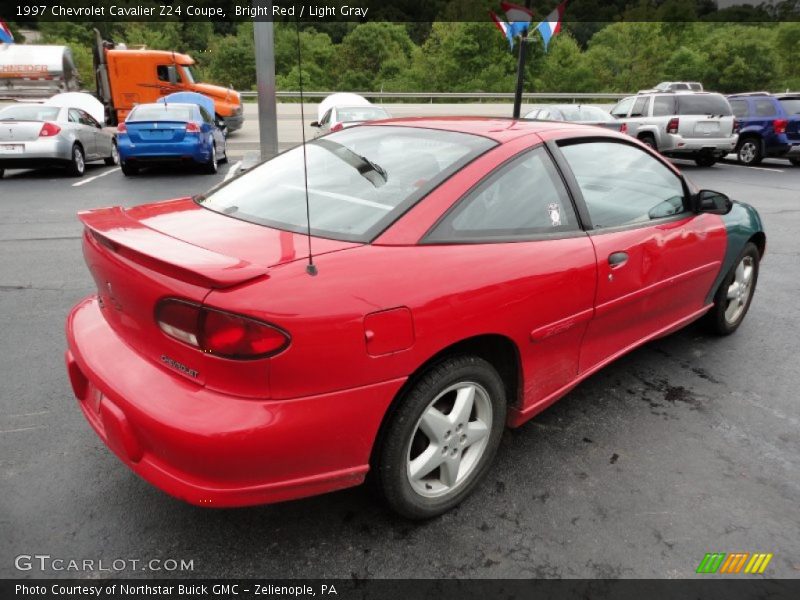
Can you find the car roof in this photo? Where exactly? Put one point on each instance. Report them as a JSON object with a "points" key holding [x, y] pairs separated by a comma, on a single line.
{"points": [[497, 128]]}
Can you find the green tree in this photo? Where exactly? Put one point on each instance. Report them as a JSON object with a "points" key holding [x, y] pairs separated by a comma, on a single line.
{"points": [[365, 51]]}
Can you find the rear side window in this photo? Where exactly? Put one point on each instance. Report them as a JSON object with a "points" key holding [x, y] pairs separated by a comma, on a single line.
{"points": [[522, 199], [703, 104], [663, 106], [739, 108], [641, 107], [790, 105], [623, 185], [765, 108]]}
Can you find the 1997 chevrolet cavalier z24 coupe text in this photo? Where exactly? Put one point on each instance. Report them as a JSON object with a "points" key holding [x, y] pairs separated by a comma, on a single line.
{"points": [[470, 272]]}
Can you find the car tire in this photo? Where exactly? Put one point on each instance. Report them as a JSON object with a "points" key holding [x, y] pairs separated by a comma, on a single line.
{"points": [[735, 293], [649, 141], [113, 160], [77, 166], [128, 170], [749, 152], [210, 168], [455, 464], [705, 161], [2, 172], [795, 161]]}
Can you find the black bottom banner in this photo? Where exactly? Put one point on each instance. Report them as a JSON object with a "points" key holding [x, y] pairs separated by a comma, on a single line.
{"points": [[405, 589]]}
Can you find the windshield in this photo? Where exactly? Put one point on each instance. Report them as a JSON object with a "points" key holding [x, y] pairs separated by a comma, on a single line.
{"points": [[359, 180], [162, 112], [29, 113], [584, 113], [188, 74], [361, 113], [703, 104], [790, 105]]}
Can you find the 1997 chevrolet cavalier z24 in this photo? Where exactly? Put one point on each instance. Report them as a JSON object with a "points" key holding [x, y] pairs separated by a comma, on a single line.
{"points": [[470, 272]]}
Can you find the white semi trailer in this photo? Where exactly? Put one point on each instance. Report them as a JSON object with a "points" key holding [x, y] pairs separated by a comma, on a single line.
{"points": [[28, 71]]}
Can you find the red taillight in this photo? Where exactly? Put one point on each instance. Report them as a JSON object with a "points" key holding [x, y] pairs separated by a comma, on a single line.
{"points": [[672, 126], [192, 127], [217, 332], [736, 126], [337, 127], [122, 128], [779, 125], [49, 130], [623, 128]]}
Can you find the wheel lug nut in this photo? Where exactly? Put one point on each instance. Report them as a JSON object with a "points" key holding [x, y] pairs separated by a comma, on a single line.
{"points": [[463, 438]]}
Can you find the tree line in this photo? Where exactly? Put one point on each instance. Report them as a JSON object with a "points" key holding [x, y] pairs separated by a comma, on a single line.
{"points": [[447, 56]]}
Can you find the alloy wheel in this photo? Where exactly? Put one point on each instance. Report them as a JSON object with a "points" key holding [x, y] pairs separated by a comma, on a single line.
{"points": [[740, 289], [748, 151], [449, 440]]}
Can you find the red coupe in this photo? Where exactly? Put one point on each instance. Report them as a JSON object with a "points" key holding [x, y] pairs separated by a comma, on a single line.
{"points": [[466, 274]]}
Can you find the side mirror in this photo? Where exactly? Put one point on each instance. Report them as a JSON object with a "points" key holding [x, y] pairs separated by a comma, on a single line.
{"points": [[709, 201], [315, 124]]}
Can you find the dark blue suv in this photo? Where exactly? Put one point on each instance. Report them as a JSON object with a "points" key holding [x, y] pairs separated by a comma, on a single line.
{"points": [[769, 126]]}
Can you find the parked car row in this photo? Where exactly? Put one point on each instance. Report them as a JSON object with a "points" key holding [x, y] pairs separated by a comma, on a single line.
{"points": [[180, 128], [679, 120]]}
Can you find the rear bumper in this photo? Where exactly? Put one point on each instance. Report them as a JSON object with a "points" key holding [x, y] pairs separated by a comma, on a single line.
{"points": [[142, 152], [675, 145], [211, 449], [37, 153], [234, 122]]}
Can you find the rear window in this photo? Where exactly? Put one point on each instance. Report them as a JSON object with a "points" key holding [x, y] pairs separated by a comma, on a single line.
{"points": [[162, 113], [790, 105], [703, 104], [360, 180], [29, 113], [366, 113], [585, 113]]}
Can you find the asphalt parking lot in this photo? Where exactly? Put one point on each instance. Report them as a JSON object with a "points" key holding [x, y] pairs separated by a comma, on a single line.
{"points": [[686, 446]]}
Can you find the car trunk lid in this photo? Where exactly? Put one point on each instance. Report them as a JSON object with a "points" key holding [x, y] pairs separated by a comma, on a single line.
{"points": [[19, 131], [178, 249], [156, 131]]}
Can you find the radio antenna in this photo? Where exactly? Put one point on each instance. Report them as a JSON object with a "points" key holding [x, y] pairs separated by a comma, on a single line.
{"points": [[311, 268]]}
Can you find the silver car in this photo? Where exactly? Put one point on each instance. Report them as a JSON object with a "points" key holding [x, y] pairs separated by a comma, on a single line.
{"points": [[694, 125], [37, 135]]}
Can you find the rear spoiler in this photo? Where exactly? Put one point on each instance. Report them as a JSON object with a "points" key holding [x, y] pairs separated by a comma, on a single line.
{"points": [[129, 238]]}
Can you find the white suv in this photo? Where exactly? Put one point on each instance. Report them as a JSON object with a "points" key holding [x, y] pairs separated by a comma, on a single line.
{"points": [[695, 125]]}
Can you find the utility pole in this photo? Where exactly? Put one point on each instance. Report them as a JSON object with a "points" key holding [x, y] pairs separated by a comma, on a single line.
{"points": [[520, 69], [265, 78]]}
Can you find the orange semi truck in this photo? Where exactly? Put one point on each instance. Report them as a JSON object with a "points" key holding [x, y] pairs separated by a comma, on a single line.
{"points": [[126, 78]]}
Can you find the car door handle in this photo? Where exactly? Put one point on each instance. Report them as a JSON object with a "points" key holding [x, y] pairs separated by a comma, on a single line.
{"points": [[617, 259]]}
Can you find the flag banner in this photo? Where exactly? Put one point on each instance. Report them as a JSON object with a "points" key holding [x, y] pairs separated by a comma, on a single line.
{"points": [[516, 13], [551, 24], [513, 28], [5, 33]]}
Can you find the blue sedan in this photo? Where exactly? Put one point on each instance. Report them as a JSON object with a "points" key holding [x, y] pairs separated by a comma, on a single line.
{"points": [[160, 133]]}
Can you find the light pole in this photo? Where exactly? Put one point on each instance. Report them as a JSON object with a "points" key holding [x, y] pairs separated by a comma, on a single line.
{"points": [[265, 78]]}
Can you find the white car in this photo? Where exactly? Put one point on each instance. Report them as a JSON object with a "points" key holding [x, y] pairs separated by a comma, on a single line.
{"points": [[338, 111]]}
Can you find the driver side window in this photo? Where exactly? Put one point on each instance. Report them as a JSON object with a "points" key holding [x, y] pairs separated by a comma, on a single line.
{"points": [[623, 185]]}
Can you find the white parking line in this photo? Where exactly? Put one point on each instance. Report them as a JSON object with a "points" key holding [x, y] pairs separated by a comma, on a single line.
{"points": [[232, 171], [758, 168], [91, 179]]}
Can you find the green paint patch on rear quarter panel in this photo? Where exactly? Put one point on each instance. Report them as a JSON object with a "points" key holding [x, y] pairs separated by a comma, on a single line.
{"points": [[741, 224]]}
